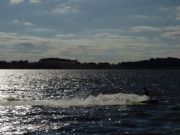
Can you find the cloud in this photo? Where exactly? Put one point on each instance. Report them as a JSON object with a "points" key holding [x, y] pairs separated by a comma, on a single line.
{"points": [[35, 1], [178, 16], [64, 10], [145, 28], [70, 28], [178, 13], [6, 36], [142, 38], [27, 23], [16, 21], [173, 32], [172, 35], [174, 28], [92, 47], [65, 35], [22, 44], [84, 49], [164, 9], [169, 52], [16, 1], [142, 16], [42, 29], [178, 7], [107, 35], [20, 1]]}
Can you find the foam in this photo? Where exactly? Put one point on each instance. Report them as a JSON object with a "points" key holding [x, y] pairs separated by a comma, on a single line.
{"points": [[100, 100]]}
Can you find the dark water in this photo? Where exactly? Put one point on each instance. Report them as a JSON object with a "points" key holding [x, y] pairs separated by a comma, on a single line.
{"points": [[48, 102]]}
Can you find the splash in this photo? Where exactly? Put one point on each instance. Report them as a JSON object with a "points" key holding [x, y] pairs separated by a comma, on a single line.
{"points": [[100, 100]]}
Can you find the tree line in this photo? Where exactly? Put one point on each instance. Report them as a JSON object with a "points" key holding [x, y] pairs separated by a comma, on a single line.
{"points": [[57, 63]]}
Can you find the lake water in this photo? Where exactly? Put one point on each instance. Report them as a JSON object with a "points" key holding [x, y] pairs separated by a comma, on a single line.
{"points": [[84, 102]]}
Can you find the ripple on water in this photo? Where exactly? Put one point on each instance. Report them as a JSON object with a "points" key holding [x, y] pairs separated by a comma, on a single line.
{"points": [[142, 114], [176, 108], [71, 102], [126, 124]]}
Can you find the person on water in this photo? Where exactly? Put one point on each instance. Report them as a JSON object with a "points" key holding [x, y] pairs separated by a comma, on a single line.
{"points": [[146, 92], [150, 100]]}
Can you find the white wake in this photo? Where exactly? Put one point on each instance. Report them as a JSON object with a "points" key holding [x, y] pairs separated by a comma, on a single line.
{"points": [[100, 100]]}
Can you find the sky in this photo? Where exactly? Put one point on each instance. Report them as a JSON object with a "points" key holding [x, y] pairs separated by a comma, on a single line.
{"points": [[89, 30]]}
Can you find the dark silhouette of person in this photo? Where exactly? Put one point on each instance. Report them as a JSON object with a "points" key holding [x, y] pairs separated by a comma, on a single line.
{"points": [[146, 92], [150, 100]]}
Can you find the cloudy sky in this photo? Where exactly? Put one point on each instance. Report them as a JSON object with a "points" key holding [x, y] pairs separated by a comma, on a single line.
{"points": [[89, 30]]}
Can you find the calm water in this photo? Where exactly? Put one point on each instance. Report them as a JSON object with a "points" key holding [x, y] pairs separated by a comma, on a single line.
{"points": [[48, 102]]}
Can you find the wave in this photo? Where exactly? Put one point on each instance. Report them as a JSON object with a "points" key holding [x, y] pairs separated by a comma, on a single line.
{"points": [[100, 100]]}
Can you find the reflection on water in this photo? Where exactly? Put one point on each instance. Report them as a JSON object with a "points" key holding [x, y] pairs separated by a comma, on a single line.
{"points": [[88, 102]]}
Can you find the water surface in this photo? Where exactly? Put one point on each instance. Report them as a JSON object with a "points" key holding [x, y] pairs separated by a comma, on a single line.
{"points": [[89, 102]]}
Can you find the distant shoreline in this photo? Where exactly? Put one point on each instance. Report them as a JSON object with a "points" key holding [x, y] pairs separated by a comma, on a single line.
{"points": [[57, 63]]}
